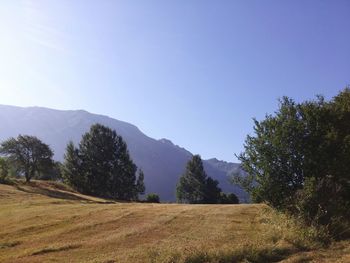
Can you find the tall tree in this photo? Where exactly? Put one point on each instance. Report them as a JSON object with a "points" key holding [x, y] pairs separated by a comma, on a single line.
{"points": [[28, 154], [212, 191], [72, 169], [140, 184], [191, 187], [101, 165]]}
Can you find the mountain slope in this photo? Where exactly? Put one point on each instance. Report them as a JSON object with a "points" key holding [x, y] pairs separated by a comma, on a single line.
{"points": [[161, 160]]}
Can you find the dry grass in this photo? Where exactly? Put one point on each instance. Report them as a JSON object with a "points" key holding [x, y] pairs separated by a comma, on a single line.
{"points": [[45, 222]]}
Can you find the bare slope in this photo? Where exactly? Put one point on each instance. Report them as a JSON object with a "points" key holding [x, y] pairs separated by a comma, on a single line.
{"points": [[45, 222]]}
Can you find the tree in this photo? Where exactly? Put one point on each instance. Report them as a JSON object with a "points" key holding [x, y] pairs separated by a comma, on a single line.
{"points": [[228, 198], [140, 184], [53, 174], [212, 191], [152, 198], [195, 187], [28, 154], [102, 166], [191, 187], [299, 159], [72, 169], [3, 170]]}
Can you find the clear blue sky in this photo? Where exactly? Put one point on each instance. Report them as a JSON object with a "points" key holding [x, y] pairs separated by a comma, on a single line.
{"points": [[195, 72]]}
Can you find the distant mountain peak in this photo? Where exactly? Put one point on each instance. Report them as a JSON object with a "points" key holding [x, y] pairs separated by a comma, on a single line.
{"points": [[166, 141]]}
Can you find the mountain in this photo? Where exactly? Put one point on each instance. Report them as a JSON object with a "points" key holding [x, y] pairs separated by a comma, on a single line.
{"points": [[161, 160]]}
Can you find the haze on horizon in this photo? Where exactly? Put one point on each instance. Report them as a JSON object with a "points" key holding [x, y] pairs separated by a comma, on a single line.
{"points": [[195, 72]]}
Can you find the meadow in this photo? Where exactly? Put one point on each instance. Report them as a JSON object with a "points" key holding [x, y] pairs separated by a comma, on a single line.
{"points": [[47, 222]]}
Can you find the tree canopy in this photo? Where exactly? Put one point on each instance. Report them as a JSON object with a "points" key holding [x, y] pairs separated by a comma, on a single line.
{"points": [[28, 154], [299, 158], [3, 169], [102, 166], [195, 187]]}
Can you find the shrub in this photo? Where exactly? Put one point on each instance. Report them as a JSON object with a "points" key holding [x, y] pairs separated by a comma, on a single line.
{"points": [[152, 198], [228, 198]]}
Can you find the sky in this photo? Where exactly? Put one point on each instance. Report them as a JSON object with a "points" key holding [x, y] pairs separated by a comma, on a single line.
{"points": [[192, 71]]}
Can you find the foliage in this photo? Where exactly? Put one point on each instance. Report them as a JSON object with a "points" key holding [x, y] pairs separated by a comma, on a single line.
{"points": [[140, 184], [53, 173], [230, 198], [212, 191], [72, 170], [299, 160], [28, 154], [152, 198], [102, 166], [195, 187], [191, 187], [3, 170]]}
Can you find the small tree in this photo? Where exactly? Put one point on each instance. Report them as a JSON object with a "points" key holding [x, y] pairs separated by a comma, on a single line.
{"points": [[152, 198], [228, 198], [28, 154], [53, 174]]}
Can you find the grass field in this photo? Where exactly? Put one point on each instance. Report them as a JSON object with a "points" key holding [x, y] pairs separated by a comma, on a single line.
{"points": [[45, 222]]}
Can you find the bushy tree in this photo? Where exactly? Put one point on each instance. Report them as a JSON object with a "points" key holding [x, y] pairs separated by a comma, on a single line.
{"points": [[152, 198], [230, 198], [28, 154], [299, 159], [102, 165], [54, 173]]}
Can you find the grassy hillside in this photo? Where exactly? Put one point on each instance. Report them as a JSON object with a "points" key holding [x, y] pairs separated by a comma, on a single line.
{"points": [[46, 222]]}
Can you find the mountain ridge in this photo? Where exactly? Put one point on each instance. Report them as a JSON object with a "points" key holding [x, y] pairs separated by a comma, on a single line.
{"points": [[161, 160]]}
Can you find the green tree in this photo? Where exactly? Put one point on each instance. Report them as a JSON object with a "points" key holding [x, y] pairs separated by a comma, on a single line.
{"points": [[3, 170], [28, 154], [140, 184], [152, 198], [212, 191], [72, 169], [230, 198], [102, 165], [191, 187], [53, 173], [299, 159], [195, 187]]}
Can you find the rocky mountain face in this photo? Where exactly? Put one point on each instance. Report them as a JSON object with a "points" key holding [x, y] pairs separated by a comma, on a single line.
{"points": [[161, 160]]}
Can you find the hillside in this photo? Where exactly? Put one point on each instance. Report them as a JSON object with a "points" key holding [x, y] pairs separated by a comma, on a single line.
{"points": [[161, 160], [46, 222]]}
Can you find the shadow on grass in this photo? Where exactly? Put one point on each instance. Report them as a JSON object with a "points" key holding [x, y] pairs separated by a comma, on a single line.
{"points": [[246, 254], [37, 188], [54, 249], [9, 244]]}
